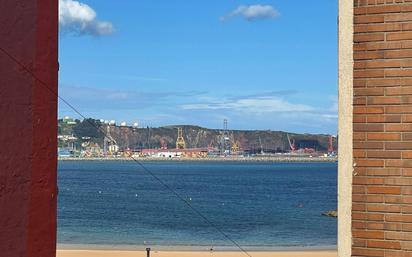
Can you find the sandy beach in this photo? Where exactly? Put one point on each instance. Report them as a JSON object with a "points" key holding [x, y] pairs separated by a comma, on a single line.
{"points": [[118, 253]]}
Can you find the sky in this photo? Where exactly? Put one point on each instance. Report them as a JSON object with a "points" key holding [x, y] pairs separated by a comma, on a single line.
{"points": [[268, 65]]}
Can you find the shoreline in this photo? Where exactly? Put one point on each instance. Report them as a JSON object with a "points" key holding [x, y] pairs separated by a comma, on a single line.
{"points": [[272, 159], [142, 253], [194, 248]]}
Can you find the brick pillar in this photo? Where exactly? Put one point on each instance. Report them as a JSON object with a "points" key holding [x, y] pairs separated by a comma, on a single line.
{"points": [[382, 128], [28, 113]]}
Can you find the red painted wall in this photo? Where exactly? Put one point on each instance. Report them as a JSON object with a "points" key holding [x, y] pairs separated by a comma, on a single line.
{"points": [[28, 129]]}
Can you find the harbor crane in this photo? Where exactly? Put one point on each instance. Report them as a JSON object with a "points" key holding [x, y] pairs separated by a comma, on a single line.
{"points": [[163, 143], [235, 147], [109, 143], [291, 144], [225, 140], [330, 145], [261, 146], [180, 141]]}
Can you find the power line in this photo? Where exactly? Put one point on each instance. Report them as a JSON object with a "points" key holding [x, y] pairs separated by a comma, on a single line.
{"points": [[174, 192]]}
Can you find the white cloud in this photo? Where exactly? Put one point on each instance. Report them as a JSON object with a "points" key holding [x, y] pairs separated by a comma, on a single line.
{"points": [[257, 105], [253, 12], [79, 18], [266, 110], [119, 99]]}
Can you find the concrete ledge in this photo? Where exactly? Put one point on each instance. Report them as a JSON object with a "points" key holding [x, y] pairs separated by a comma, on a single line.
{"points": [[345, 168]]}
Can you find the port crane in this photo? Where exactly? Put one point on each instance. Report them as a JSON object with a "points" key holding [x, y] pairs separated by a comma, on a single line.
{"points": [[331, 150], [261, 146], [109, 143], [163, 143], [180, 141], [235, 147], [291, 144], [225, 140]]}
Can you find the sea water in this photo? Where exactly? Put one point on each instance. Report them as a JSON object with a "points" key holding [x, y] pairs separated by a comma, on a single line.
{"points": [[260, 206]]}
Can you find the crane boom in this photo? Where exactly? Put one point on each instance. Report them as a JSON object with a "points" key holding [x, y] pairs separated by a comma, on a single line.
{"points": [[291, 145]]}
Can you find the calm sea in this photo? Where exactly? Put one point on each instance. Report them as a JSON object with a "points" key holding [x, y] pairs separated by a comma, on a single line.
{"points": [[259, 205]]}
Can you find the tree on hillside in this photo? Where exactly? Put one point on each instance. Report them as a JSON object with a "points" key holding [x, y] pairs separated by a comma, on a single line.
{"points": [[88, 128]]}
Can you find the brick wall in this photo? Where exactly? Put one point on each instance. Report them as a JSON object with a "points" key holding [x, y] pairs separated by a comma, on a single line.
{"points": [[382, 125]]}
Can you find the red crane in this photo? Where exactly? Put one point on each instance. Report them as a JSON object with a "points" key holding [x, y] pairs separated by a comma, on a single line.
{"points": [[163, 143], [291, 144], [330, 145]]}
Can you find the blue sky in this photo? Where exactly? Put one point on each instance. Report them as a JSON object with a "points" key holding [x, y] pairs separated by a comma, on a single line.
{"points": [[259, 64]]}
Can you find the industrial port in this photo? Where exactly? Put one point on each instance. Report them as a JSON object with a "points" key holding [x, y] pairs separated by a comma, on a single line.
{"points": [[105, 140]]}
